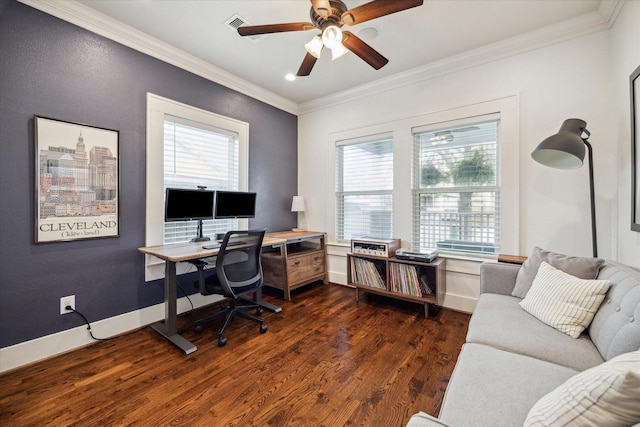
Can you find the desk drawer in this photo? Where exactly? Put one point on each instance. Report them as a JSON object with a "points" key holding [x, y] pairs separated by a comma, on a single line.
{"points": [[302, 267]]}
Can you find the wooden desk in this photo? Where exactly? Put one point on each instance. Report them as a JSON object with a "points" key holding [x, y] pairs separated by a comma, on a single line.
{"points": [[180, 252], [301, 260]]}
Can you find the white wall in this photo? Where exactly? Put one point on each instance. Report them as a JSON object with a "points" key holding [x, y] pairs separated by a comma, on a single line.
{"points": [[571, 79], [625, 58]]}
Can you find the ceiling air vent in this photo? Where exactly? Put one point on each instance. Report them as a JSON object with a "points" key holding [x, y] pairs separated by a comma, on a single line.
{"points": [[237, 21]]}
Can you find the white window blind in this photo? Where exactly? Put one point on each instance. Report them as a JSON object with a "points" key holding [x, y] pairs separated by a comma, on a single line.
{"points": [[364, 187], [456, 193], [196, 154]]}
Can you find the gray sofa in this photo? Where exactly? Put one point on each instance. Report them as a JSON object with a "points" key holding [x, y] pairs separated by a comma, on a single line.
{"points": [[511, 359]]}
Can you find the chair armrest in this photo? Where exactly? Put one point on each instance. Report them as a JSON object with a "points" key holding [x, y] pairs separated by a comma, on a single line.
{"points": [[498, 278]]}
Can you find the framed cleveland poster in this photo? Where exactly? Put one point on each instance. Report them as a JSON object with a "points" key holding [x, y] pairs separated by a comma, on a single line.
{"points": [[76, 182]]}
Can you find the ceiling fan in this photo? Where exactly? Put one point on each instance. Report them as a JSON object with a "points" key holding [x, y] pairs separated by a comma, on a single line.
{"points": [[329, 16]]}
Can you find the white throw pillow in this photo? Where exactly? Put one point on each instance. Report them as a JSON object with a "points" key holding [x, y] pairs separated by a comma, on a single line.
{"points": [[563, 301], [607, 395]]}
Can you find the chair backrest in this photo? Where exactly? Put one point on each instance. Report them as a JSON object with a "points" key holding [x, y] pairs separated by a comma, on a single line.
{"points": [[238, 264]]}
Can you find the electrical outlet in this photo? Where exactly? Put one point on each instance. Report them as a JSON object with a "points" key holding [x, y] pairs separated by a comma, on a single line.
{"points": [[67, 301]]}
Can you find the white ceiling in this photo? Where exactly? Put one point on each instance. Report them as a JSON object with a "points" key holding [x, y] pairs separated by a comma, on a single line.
{"points": [[433, 33]]}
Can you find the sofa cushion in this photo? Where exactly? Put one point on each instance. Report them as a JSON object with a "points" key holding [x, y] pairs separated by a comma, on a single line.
{"points": [[491, 387], [584, 268], [499, 321], [605, 395], [615, 328], [563, 301]]}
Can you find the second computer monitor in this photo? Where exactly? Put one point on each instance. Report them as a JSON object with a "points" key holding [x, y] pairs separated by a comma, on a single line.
{"points": [[235, 204]]}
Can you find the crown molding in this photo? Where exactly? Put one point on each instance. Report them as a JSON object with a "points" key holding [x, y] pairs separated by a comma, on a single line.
{"points": [[609, 9], [74, 12], [91, 20], [577, 27]]}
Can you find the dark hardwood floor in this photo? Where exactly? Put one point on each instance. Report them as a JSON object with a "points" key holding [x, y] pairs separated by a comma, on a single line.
{"points": [[325, 361]]}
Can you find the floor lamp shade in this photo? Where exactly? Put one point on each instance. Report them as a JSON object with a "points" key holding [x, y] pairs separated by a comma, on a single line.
{"points": [[566, 150]]}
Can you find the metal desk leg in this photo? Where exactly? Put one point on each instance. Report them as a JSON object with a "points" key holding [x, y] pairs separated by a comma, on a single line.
{"points": [[169, 329]]}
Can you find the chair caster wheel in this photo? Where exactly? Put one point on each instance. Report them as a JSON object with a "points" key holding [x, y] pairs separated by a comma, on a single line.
{"points": [[197, 329], [259, 310], [263, 328], [222, 341]]}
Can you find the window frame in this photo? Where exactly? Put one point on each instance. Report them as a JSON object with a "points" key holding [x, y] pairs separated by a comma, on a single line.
{"points": [[506, 107], [418, 190], [185, 230], [340, 193], [157, 109]]}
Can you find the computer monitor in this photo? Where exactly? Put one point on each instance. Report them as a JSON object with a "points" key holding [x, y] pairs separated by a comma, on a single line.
{"points": [[187, 205], [235, 204]]}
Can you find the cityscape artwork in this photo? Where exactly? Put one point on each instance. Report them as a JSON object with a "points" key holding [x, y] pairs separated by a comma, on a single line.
{"points": [[76, 194]]}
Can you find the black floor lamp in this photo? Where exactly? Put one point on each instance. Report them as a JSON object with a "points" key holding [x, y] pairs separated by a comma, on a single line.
{"points": [[565, 150]]}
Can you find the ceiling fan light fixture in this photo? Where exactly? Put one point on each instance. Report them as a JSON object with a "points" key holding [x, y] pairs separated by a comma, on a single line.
{"points": [[329, 16], [338, 51], [331, 36], [314, 47]]}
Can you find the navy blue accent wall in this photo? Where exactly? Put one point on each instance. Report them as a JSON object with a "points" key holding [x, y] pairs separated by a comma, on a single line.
{"points": [[52, 68]]}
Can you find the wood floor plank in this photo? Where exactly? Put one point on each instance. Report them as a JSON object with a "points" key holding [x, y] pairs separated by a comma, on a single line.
{"points": [[326, 360]]}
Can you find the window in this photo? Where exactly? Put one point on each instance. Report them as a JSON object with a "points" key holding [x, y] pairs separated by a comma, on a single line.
{"points": [[364, 187], [187, 147], [482, 212], [196, 154], [456, 197]]}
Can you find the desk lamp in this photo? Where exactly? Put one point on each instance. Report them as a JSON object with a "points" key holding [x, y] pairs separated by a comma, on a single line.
{"points": [[565, 150], [297, 205]]}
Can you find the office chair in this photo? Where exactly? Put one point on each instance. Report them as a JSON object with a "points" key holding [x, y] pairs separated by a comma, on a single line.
{"points": [[238, 272]]}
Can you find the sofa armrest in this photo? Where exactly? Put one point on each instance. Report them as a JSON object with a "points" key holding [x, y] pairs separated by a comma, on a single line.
{"points": [[422, 419], [498, 278]]}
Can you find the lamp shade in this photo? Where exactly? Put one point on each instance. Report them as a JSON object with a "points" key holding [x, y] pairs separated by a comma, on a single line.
{"points": [[565, 149], [297, 204], [314, 47], [331, 36], [338, 51]]}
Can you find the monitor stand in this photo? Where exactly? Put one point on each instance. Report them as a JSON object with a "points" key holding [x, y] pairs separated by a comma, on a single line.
{"points": [[200, 237]]}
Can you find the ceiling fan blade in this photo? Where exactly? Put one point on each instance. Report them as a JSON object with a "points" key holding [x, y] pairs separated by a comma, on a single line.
{"points": [[252, 30], [375, 9], [307, 65], [363, 50], [322, 7]]}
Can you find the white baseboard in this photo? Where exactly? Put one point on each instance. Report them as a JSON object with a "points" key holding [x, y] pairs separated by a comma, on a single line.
{"points": [[460, 303], [337, 277], [51, 345]]}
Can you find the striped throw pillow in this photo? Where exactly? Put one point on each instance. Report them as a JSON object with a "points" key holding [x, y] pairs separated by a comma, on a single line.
{"points": [[607, 395], [563, 301]]}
